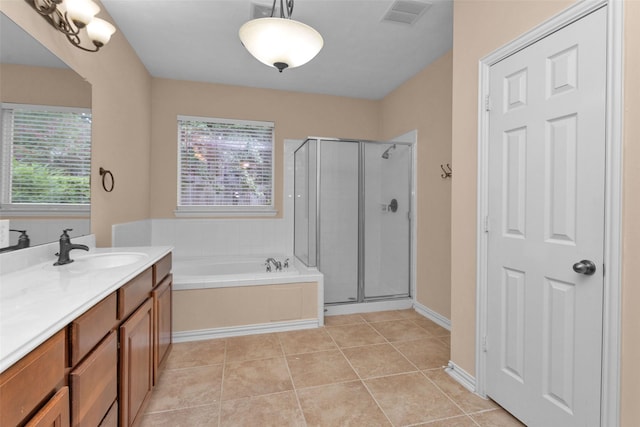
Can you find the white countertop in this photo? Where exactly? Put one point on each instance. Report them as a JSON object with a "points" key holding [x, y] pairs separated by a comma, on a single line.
{"points": [[38, 301]]}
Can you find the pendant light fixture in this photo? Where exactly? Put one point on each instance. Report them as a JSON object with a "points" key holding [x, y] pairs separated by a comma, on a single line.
{"points": [[281, 42]]}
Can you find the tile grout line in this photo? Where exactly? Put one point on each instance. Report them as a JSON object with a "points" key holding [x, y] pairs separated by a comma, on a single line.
{"points": [[293, 384], [362, 381], [224, 368]]}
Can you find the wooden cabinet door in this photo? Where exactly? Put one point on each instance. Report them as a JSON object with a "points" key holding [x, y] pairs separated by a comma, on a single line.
{"points": [[136, 363], [162, 330], [55, 413]]}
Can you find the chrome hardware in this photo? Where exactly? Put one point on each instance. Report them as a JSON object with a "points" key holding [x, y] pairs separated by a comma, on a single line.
{"points": [[286, 263], [266, 264], [585, 267], [276, 264]]}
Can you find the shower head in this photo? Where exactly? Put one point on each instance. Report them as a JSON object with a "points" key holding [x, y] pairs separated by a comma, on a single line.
{"points": [[385, 155]]}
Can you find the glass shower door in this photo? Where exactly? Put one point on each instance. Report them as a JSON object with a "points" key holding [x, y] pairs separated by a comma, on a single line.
{"points": [[387, 226], [338, 219]]}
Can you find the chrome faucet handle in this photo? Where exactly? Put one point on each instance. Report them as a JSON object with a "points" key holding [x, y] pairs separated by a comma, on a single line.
{"points": [[266, 264], [286, 263], [278, 266]]}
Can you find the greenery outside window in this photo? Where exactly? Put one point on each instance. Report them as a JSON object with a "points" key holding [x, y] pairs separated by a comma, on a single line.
{"points": [[224, 167], [46, 160]]}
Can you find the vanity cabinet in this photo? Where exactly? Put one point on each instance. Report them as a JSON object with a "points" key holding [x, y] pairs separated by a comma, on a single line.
{"points": [[55, 413], [33, 381], [162, 306], [100, 369], [94, 383]]}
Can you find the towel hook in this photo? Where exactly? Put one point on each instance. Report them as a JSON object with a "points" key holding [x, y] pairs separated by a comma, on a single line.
{"points": [[103, 174], [446, 173]]}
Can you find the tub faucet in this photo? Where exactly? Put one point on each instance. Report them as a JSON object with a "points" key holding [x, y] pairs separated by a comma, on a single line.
{"points": [[65, 247], [276, 264]]}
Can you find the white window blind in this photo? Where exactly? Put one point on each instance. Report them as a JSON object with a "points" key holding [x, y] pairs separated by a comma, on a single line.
{"points": [[46, 156], [226, 164]]}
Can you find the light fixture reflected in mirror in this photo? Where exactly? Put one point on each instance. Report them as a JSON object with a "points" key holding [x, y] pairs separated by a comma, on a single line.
{"points": [[72, 16], [281, 42]]}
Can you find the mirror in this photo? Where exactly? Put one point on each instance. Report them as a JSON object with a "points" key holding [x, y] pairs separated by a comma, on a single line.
{"points": [[31, 75]]}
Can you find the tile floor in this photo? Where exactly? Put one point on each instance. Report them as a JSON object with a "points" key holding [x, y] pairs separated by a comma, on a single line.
{"points": [[372, 369]]}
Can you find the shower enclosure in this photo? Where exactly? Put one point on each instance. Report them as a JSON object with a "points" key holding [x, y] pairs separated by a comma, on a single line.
{"points": [[352, 214]]}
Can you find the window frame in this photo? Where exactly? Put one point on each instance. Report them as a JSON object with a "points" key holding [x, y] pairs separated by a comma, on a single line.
{"points": [[8, 209], [224, 211]]}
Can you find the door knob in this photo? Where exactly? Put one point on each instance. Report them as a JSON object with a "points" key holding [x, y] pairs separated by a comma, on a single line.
{"points": [[585, 267]]}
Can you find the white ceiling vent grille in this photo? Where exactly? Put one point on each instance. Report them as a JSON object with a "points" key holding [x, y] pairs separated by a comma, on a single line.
{"points": [[406, 11]]}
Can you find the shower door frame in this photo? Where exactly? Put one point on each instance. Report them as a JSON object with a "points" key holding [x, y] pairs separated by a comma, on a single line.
{"points": [[362, 218]]}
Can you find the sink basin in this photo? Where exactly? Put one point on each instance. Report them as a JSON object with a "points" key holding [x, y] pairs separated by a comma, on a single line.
{"points": [[108, 260], [100, 261]]}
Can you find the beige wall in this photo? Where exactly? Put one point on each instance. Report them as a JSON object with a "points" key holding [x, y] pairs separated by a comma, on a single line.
{"points": [[296, 116], [481, 27], [33, 85], [121, 93], [424, 103], [630, 366], [243, 305]]}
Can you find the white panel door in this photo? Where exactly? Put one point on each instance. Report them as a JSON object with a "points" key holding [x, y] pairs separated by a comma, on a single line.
{"points": [[546, 213]]}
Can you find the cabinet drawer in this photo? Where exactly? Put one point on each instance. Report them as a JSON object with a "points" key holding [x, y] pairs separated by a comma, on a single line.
{"points": [[55, 413], [25, 386], [161, 269], [94, 383], [111, 419], [88, 330], [131, 295]]}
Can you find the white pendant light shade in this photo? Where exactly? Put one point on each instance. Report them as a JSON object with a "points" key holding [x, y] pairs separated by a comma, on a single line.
{"points": [[81, 12], [279, 42], [100, 31]]}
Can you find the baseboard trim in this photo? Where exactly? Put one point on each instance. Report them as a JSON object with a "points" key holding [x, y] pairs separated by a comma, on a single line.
{"points": [[234, 331], [461, 376], [432, 315], [367, 307]]}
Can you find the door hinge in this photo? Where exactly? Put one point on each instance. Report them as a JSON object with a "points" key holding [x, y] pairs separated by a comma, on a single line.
{"points": [[487, 103], [484, 344]]}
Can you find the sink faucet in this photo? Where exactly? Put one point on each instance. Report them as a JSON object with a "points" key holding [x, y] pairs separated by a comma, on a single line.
{"points": [[23, 242], [276, 264], [65, 247]]}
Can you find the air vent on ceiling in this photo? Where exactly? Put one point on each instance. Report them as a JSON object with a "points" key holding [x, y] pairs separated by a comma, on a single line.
{"points": [[406, 11], [263, 11]]}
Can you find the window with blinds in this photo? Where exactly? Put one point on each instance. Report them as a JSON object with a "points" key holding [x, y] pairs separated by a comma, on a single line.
{"points": [[45, 157], [225, 165]]}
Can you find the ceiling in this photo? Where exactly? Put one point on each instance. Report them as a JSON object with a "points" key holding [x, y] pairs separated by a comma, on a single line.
{"points": [[363, 56]]}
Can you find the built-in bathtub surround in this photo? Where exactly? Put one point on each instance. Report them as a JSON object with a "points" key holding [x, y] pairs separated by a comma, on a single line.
{"points": [[228, 296]]}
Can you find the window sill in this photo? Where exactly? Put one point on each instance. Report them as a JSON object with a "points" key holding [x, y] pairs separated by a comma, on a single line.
{"points": [[224, 212], [45, 211]]}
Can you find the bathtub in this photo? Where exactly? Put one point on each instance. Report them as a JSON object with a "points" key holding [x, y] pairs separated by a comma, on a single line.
{"points": [[217, 297], [219, 272]]}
